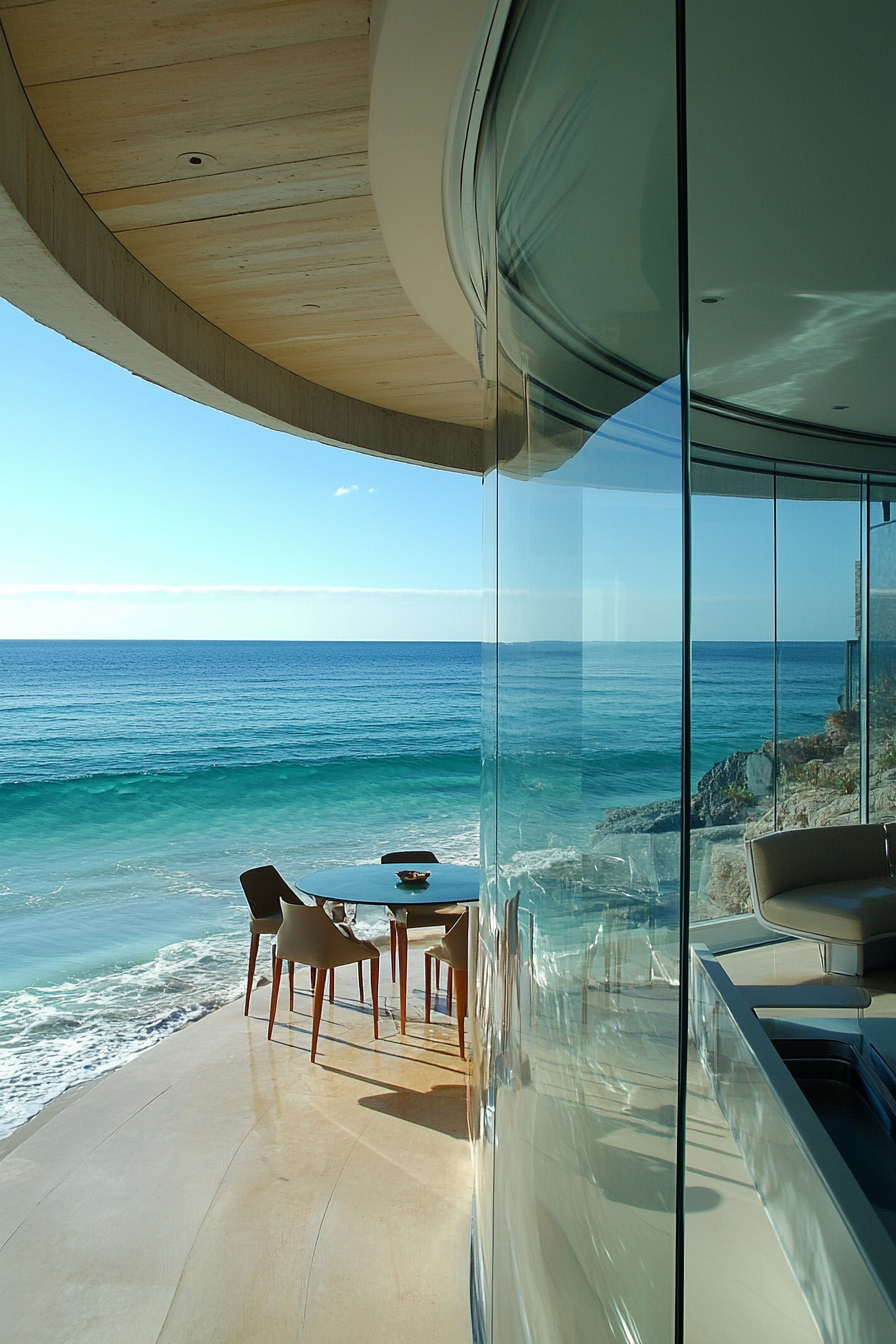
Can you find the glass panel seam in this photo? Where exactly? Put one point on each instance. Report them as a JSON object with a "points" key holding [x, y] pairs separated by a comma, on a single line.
{"points": [[685, 832]]}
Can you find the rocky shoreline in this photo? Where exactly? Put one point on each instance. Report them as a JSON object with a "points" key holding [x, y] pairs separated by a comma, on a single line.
{"points": [[818, 785]]}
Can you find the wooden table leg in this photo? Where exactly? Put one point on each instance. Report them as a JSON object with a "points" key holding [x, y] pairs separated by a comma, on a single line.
{"points": [[401, 934]]}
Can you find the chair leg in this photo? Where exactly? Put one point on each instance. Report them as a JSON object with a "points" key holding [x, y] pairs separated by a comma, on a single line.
{"points": [[401, 936], [253, 953], [427, 959], [361, 980], [313, 975], [449, 991], [332, 985], [375, 994], [320, 986], [438, 974], [292, 984], [392, 946], [461, 995], [275, 990]]}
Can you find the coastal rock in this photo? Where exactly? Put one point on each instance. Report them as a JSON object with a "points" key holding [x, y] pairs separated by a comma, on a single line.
{"points": [[728, 889], [718, 883], [796, 751], [760, 773], [818, 785], [731, 788], [648, 819], [843, 728]]}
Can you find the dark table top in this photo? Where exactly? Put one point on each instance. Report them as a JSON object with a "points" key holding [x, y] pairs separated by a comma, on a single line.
{"points": [[378, 884]]}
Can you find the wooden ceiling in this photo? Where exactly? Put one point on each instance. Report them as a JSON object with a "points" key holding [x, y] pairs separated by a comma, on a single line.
{"points": [[274, 236]]}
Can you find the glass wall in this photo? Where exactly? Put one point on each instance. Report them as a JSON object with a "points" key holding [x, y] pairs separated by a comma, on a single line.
{"points": [[818, 550], [689, 636], [579, 928], [733, 681], [777, 673]]}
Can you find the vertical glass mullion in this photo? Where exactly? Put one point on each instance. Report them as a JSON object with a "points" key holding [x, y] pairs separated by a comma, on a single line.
{"points": [[864, 634], [686, 665], [775, 639]]}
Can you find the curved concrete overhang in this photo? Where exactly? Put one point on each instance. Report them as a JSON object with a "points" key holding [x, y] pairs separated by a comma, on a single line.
{"points": [[420, 53], [63, 266]]}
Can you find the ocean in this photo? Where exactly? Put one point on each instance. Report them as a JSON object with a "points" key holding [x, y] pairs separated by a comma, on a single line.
{"points": [[138, 779]]}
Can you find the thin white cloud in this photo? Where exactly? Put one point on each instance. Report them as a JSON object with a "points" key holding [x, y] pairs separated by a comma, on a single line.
{"points": [[344, 490], [173, 589], [372, 490]]}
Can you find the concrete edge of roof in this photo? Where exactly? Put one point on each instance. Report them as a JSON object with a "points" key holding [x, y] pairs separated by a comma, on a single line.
{"points": [[61, 265]]}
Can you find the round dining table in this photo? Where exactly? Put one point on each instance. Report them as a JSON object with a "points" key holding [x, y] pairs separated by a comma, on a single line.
{"points": [[379, 884]]}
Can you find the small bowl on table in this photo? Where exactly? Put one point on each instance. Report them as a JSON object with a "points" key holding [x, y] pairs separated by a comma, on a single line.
{"points": [[412, 877]]}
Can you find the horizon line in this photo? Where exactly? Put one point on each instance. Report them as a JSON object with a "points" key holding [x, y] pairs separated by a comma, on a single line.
{"points": [[202, 589]]}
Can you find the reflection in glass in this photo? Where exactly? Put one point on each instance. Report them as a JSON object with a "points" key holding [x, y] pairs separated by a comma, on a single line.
{"points": [[577, 1091], [587, 895], [733, 680], [818, 550], [580, 920], [882, 654]]}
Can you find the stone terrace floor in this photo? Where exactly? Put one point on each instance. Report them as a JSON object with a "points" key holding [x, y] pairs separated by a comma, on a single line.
{"points": [[220, 1188]]}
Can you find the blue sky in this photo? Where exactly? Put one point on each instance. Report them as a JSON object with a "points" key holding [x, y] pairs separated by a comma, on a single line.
{"points": [[129, 512], [113, 492], [733, 551]]}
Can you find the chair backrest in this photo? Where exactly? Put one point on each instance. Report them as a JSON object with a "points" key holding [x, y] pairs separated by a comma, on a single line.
{"points": [[787, 860], [456, 940], [410, 856], [264, 888], [308, 935]]}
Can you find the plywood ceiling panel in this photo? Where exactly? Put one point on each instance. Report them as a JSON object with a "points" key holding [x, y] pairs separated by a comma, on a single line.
{"points": [[121, 165], [264, 258], [60, 40], [274, 237], [215, 194], [170, 108]]}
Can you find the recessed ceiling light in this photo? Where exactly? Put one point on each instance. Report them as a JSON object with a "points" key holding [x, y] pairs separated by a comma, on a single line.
{"points": [[197, 159], [712, 298], [839, 408]]}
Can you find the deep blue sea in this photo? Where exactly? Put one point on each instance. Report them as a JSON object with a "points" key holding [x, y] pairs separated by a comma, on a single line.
{"points": [[138, 779]]}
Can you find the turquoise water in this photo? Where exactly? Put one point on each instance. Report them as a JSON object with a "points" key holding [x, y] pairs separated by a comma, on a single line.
{"points": [[137, 780]]}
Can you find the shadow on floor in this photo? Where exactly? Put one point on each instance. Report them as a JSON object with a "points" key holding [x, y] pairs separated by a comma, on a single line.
{"points": [[443, 1108]]}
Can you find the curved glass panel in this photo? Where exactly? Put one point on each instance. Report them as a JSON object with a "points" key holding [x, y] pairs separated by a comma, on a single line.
{"points": [[791, 146], [587, 221], [594, 1218], [579, 1000]]}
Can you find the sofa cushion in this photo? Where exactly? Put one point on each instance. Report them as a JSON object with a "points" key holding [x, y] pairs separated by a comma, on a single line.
{"points": [[787, 860], [851, 911]]}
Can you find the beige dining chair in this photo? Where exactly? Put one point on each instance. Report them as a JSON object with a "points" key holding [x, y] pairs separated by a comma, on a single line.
{"points": [[453, 951], [263, 888], [419, 916], [309, 936]]}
